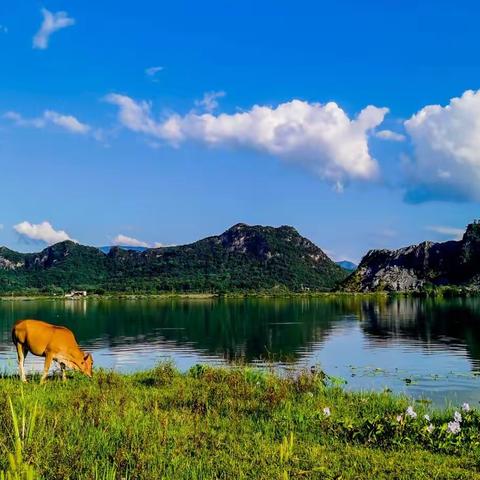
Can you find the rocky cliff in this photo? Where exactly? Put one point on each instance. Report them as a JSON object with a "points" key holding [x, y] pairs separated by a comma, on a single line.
{"points": [[418, 266]]}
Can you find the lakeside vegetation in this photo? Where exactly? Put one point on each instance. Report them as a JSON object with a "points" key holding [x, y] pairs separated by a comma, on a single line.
{"points": [[227, 423], [447, 291], [193, 295]]}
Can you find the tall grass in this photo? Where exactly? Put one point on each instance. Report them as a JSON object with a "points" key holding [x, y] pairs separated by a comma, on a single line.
{"points": [[23, 428], [214, 423]]}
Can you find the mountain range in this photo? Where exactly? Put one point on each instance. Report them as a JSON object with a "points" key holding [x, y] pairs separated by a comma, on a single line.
{"points": [[243, 258]]}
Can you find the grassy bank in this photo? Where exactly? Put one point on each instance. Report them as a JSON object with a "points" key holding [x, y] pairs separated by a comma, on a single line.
{"points": [[229, 424]]}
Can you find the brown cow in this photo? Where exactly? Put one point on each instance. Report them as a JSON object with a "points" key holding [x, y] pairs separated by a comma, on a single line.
{"points": [[53, 343]]}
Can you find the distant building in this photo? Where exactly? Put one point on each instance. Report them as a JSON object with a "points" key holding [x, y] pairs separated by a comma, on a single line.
{"points": [[76, 294]]}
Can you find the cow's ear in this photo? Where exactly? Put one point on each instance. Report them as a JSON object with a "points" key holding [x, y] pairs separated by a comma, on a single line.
{"points": [[86, 357]]}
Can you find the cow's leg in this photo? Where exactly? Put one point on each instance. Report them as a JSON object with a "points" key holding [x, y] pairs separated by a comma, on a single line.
{"points": [[46, 367], [62, 367], [21, 354]]}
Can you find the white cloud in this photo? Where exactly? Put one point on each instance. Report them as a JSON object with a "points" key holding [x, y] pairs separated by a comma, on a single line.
{"points": [[451, 232], [18, 120], [446, 161], [43, 232], [320, 137], [160, 245], [67, 122], [52, 22], [390, 135], [126, 241], [209, 102], [152, 72], [136, 116]]}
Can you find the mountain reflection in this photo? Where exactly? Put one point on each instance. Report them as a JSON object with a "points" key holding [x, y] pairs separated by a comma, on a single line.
{"points": [[244, 329], [433, 323], [278, 329]]}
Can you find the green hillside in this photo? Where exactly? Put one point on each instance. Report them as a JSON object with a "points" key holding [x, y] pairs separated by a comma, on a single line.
{"points": [[244, 258]]}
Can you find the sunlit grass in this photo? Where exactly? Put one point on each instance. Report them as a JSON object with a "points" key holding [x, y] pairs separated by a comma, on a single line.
{"points": [[214, 423]]}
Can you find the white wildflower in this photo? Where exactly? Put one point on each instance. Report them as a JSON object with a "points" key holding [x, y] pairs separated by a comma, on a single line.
{"points": [[399, 418], [453, 427], [426, 417], [457, 417], [326, 411], [410, 412], [430, 428], [466, 407]]}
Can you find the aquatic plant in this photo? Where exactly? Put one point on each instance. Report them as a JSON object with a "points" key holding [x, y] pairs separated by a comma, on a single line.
{"points": [[410, 412], [454, 427]]}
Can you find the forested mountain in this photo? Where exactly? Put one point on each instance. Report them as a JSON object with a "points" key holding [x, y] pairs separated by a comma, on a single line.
{"points": [[244, 258]]}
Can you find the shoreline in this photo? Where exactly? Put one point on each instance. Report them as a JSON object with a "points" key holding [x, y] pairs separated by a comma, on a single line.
{"points": [[196, 296], [444, 293]]}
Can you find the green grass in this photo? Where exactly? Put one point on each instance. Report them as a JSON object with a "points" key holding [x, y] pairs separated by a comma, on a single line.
{"points": [[213, 423]]}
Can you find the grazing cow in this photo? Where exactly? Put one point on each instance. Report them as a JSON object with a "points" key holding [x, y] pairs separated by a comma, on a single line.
{"points": [[53, 343]]}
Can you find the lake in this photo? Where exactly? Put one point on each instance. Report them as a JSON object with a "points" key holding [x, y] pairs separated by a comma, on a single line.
{"points": [[426, 348]]}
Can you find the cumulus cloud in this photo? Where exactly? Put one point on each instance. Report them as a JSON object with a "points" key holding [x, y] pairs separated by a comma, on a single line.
{"points": [[66, 122], [390, 135], [126, 241], [43, 232], [320, 137], [209, 102], [450, 232], [446, 160], [52, 22], [136, 116]]}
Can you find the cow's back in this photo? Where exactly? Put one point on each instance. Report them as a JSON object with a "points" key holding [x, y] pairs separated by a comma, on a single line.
{"points": [[37, 336]]}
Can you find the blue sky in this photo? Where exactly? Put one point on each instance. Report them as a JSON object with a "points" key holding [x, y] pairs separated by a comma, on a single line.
{"points": [[98, 145]]}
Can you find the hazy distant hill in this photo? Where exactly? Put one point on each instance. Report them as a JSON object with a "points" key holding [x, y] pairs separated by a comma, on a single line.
{"points": [[242, 258], [420, 266], [347, 265]]}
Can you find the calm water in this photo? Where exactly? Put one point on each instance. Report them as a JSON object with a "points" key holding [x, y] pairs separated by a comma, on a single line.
{"points": [[371, 344]]}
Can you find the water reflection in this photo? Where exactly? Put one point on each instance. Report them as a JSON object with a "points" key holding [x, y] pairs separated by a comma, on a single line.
{"points": [[434, 324], [371, 343]]}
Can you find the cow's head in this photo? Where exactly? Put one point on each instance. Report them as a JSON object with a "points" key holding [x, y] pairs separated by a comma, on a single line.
{"points": [[86, 365]]}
